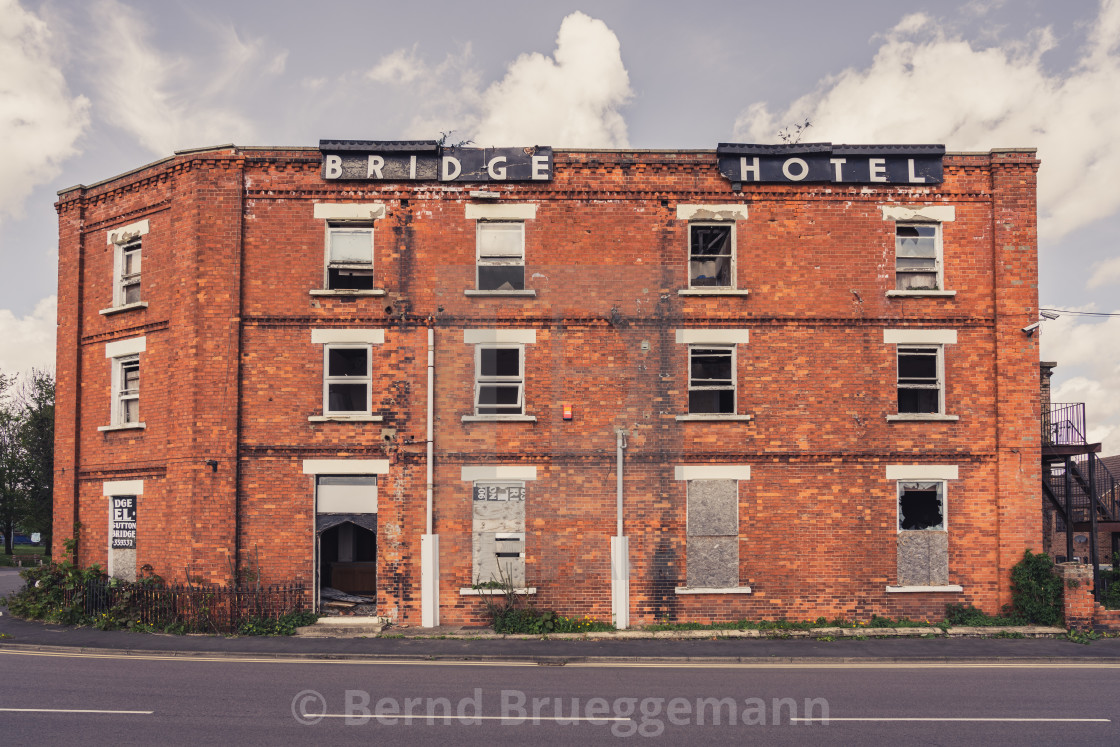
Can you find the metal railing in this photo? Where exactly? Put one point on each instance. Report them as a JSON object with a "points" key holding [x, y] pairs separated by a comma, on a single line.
{"points": [[1064, 424]]}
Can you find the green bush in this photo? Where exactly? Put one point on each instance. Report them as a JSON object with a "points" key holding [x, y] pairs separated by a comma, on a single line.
{"points": [[284, 625], [1036, 591], [1111, 597]]}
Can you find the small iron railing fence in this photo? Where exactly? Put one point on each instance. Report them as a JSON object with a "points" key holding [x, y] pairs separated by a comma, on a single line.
{"points": [[219, 609]]}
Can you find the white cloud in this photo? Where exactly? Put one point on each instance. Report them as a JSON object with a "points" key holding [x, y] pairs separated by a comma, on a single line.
{"points": [[1088, 371], [28, 342], [926, 86], [40, 122], [400, 66], [570, 100], [159, 99], [1105, 273]]}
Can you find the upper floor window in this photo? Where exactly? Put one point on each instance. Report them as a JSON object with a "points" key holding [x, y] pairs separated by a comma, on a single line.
{"points": [[499, 380], [347, 372], [349, 256], [124, 357], [920, 372], [711, 379], [349, 248], [501, 256], [128, 277], [920, 385], [711, 255], [917, 256], [128, 250]]}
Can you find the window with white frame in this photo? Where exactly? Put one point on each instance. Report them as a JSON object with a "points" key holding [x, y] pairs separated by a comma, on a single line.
{"points": [[921, 505], [347, 379], [128, 272], [499, 379], [349, 256], [711, 255], [917, 251], [501, 255], [126, 390], [711, 379], [127, 245], [920, 380]]}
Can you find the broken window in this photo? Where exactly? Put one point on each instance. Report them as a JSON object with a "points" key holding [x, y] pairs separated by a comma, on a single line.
{"points": [[499, 379], [498, 520], [346, 385], [919, 380], [501, 256], [713, 534], [128, 274], [711, 380], [917, 256], [921, 505], [126, 409], [349, 257], [710, 255]]}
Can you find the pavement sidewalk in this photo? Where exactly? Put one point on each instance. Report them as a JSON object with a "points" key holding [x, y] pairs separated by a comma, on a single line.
{"points": [[459, 644]]}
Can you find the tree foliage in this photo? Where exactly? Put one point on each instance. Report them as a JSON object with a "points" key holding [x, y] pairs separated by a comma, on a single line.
{"points": [[26, 455]]}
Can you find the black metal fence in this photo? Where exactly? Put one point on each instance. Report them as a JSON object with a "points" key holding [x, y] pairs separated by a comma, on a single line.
{"points": [[1064, 424], [219, 609]]}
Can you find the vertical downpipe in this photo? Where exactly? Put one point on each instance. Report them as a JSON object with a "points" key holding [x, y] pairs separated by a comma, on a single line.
{"points": [[429, 542], [620, 548]]}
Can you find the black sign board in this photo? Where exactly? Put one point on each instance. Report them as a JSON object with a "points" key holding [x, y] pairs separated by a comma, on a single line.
{"points": [[124, 522], [824, 162], [427, 160]]}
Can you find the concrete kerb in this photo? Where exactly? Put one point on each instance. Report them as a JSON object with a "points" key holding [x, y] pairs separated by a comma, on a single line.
{"points": [[1025, 631]]}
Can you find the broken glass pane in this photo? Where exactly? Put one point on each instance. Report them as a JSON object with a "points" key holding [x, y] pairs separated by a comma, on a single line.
{"points": [[501, 277], [709, 256], [919, 506]]}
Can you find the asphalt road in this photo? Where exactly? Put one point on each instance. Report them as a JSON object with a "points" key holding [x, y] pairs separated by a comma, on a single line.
{"points": [[105, 698]]}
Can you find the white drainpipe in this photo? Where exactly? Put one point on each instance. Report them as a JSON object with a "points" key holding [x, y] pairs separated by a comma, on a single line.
{"points": [[429, 542], [620, 549]]}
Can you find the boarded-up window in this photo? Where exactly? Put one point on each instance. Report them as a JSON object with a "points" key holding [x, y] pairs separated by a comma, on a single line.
{"points": [[712, 558], [498, 533], [923, 543], [346, 494], [350, 257]]}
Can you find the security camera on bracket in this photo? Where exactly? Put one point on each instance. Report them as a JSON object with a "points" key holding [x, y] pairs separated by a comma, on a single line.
{"points": [[1046, 315]]}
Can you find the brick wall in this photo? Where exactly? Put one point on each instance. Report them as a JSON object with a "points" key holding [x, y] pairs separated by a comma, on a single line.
{"points": [[230, 374]]}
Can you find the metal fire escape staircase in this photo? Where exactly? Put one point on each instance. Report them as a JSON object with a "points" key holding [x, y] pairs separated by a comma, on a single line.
{"points": [[1077, 484]]}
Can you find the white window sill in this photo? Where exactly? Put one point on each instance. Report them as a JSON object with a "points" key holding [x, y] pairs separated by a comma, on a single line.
{"points": [[920, 416], [500, 418], [473, 292], [521, 591], [706, 590], [931, 292], [715, 416], [345, 418], [126, 307], [713, 292], [951, 588], [328, 292], [122, 427]]}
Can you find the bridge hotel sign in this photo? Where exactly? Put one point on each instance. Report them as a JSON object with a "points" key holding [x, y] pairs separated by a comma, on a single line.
{"points": [[825, 162], [427, 160]]}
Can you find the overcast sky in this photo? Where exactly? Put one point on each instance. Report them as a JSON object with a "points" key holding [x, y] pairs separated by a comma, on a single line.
{"points": [[92, 88]]}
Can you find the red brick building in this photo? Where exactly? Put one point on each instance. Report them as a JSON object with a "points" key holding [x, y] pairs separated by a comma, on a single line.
{"points": [[759, 382]]}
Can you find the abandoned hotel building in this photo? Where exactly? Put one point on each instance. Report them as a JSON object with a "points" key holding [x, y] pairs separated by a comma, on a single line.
{"points": [[764, 381]]}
